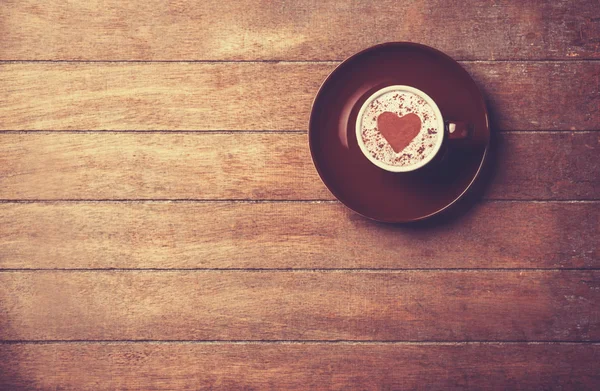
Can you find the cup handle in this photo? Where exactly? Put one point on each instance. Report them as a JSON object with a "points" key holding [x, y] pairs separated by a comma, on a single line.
{"points": [[457, 130]]}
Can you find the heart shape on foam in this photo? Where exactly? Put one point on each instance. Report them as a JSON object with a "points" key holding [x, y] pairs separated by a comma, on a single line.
{"points": [[399, 132]]}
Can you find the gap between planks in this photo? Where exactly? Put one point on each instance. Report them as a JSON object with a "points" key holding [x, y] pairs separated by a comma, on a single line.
{"points": [[290, 342], [278, 61], [241, 201], [294, 270]]}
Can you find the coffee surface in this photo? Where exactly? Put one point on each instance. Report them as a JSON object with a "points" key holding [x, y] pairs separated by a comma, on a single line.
{"points": [[400, 128]]}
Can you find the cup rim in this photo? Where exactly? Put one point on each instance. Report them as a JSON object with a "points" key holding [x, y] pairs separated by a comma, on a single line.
{"points": [[389, 167]]}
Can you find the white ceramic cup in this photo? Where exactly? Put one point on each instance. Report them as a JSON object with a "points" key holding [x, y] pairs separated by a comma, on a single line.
{"points": [[445, 129]]}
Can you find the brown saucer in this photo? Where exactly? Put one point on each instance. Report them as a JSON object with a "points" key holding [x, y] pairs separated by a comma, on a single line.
{"points": [[368, 189]]}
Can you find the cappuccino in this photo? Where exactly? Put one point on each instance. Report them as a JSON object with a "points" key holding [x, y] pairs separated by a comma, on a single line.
{"points": [[400, 127]]}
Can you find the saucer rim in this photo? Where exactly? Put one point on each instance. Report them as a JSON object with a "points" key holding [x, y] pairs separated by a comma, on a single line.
{"points": [[399, 44]]}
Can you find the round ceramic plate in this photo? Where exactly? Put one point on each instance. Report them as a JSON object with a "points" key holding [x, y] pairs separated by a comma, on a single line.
{"points": [[368, 189]]}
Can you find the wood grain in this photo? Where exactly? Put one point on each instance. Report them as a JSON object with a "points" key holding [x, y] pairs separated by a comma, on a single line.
{"points": [[87, 91], [165, 235], [118, 166], [209, 305], [546, 166], [262, 96], [109, 366], [255, 166], [300, 30]]}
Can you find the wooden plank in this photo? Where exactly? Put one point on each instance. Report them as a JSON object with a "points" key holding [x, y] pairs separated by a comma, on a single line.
{"points": [[262, 96], [167, 235], [300, 30], [255, 166], [149, 366], [540, 96], [546, 166], [232, 305], [118, 166], [174, 96]]}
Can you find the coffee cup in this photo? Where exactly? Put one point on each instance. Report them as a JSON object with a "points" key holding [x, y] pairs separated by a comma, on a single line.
{"points": [[401, 129]]}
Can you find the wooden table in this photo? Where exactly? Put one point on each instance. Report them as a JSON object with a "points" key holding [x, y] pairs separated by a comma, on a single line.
{"points": [[162, 225]]}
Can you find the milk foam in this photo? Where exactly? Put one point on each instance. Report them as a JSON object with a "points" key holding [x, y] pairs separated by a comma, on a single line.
{"points": [[401, 103]]}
